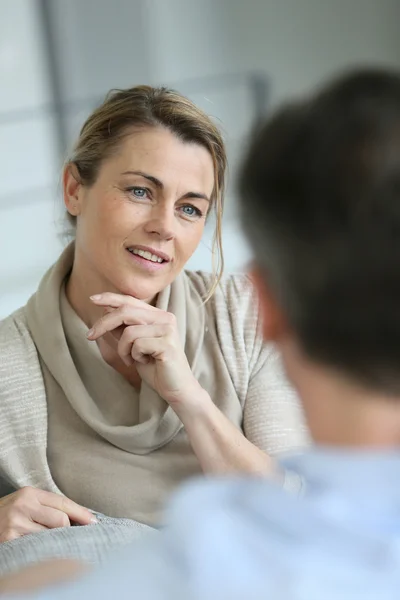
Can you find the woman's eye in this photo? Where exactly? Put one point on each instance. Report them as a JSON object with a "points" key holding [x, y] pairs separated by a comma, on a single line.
{"points": [[139, 192], [191, 211]]}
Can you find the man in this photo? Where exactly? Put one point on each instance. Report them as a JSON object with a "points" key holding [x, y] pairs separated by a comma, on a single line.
{"points": [[320, 202]]}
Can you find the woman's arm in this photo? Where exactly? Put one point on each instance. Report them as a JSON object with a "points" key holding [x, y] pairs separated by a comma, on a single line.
{"points": [[147, 339], [218, 444], [273, 423], [273, 418]]}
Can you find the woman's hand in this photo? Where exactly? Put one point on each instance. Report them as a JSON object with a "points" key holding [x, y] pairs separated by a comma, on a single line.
{"points": [[148, 338], [30, 510]]}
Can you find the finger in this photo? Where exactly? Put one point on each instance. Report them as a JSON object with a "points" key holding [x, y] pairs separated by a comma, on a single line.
{"points": [[33, 527], [135, 332], [118, 300], [17, 530], [36, 527], [122, 316], [52, 518], [75, 512], [145, 347]]}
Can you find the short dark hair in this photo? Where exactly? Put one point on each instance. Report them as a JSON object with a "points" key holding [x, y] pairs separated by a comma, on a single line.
{"points": [[320, 203]]}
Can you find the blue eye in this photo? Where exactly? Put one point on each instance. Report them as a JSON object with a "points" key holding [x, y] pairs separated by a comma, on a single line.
{"points": [[191, 211], [138, 192]]}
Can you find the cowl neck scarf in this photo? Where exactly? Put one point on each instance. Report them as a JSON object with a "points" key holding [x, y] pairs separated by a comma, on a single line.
{"points": [[135, 421]]}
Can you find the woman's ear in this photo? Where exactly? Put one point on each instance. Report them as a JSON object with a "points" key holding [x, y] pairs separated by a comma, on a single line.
{"points": [[72, 187], [273, 321]]}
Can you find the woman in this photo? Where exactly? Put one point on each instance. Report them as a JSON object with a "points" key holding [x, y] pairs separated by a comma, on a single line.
{"points": [[124, 375]]}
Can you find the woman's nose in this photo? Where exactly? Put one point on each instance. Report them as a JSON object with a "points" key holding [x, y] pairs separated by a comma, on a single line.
{"points": [[161, 223]]}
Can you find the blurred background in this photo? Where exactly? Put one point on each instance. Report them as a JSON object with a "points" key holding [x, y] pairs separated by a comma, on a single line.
{"points": [[235, 58]]}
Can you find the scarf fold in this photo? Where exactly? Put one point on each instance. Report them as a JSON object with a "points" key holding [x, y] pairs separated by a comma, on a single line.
{"points": [[137, 422]]}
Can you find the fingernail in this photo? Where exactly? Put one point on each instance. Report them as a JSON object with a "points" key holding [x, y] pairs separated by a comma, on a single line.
{"points": [[95, 297], [90, 332], [94, 521]]}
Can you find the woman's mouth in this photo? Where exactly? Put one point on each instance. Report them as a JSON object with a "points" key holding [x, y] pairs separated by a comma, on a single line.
{"points": [[147, 255], [147, 259]]}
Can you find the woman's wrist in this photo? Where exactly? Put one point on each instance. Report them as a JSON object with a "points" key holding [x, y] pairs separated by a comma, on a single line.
{"points": [[193, 405]]}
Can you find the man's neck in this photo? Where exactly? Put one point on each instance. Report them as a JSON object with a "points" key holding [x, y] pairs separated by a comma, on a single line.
{"points": [[340, 412]]}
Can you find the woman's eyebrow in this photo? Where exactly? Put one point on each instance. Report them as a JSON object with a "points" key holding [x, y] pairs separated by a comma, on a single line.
{"points": [[196, 195], [160, 185], [151, 178]]}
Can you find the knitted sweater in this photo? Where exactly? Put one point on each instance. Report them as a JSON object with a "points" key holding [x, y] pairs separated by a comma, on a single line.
{"points": [[264, 404]]}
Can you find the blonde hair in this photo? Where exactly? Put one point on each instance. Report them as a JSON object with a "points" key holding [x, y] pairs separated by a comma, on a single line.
{"points": [[146, 106]]}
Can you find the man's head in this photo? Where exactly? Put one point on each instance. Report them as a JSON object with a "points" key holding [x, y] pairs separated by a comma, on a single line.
{"points": [[320, 203]]}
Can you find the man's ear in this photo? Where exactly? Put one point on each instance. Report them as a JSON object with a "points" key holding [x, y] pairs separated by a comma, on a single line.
{"points": [[72, 187], [273, 321]]}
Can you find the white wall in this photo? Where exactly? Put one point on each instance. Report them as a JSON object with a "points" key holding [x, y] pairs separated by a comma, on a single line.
{"points": [[298, 42], [28, 165], [103, 44]]}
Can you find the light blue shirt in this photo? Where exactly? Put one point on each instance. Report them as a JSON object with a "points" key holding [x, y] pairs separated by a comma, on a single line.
{"points": [[247, 539]]}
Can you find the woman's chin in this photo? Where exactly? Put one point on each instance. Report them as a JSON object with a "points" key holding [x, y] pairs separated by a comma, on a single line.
{"points": [[146, 293], [138, 285]]}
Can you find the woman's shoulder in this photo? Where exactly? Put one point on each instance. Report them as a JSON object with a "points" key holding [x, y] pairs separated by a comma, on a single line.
{"points": [[16, 344], [235, 291], [13, 327], [234, 309], [20, 372]]}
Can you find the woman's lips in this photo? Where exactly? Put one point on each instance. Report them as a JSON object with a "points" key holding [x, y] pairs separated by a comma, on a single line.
{"points": [[148, 252], [146, 264]]}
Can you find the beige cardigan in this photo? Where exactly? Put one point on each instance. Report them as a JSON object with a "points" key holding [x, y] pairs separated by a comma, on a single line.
{"points": [[269, 413]]}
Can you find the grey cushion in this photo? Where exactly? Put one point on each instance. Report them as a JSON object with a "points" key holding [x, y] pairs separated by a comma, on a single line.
{"points": [[92, 543]]}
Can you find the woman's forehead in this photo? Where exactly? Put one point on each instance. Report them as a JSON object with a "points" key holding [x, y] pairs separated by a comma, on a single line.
{"points": [[161, 154]]}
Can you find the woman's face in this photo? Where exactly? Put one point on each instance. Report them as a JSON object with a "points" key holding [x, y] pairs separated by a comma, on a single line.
{"points": [[143, 218]]}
